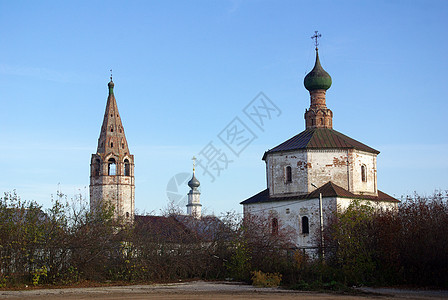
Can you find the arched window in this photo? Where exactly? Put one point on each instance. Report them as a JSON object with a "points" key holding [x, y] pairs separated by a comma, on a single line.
{"points": [[111, 129], [96, 167], [305, 225], [127, 215], [112, 167], [288, 174], [127, 168], [111, 144], [274, 226], [363, 173]]}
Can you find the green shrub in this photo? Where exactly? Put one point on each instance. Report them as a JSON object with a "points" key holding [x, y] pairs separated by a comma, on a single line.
{"points": [[239, 264], [37, 274]]}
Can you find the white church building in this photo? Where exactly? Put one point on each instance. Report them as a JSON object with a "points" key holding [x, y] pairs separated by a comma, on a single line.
{"points": [[318, 165]]}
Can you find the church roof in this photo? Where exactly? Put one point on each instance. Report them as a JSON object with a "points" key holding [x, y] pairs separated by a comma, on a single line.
{"points": [[206, 228], [166, 227], [112, 138], [320, 138], [177, 228], [328, 190]]}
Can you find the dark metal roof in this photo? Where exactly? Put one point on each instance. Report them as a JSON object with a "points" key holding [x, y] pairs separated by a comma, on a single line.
{"points": [[320, 138], [207, 227], [328, 190], [179, 227], [166, 227]]}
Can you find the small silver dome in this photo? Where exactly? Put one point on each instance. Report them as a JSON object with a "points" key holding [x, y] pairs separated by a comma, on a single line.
{"points": [[194, 183]]}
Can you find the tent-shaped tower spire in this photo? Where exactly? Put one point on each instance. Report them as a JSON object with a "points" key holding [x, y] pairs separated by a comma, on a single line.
{"points": [[112, 138]]}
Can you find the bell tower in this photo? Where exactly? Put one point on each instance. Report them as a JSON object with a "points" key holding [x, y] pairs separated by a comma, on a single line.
{"points": [[112, 166], [194, 206]]}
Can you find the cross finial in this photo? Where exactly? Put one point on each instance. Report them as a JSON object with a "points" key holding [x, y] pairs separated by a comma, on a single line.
{"points": [[110, 74], [316, 36], [194, 163]]}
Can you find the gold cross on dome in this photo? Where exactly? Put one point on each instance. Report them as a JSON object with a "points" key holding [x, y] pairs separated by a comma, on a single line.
{"points": [[315, 37]]}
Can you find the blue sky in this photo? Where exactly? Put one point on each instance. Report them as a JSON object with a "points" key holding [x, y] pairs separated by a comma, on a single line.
{"points": [[184, 70]]}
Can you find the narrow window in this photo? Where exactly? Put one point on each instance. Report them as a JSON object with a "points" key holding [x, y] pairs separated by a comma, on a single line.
{"points": [[127, 215], [288, 174], [274, 226], [122, 145], [305, 225], [363, 173], [112, 167], [96, 167], [127, 168], [111, 129], [287, 211], [111, 144]]}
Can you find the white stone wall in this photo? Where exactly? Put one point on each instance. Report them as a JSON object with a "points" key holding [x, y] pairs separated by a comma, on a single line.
{"points": [[290, 213], [117, 190], [357, 186], [343, 167], [343, 204], [194, 207], [276, 164]]}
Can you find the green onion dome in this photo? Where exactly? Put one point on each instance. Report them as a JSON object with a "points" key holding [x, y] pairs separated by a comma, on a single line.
{"points": [[111, 86], [318, 78]]}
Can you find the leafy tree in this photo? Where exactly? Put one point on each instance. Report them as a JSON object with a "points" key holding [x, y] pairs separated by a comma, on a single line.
{"points": [[350, 241]]}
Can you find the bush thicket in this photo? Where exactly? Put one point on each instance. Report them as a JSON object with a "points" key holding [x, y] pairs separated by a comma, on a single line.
{"points": [[67, 244]]}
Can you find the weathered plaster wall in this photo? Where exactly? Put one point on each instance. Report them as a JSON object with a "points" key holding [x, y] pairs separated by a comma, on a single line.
{"points": [[369, 187], [290, 213], [343, 167], [276, 164], [119, 190]]}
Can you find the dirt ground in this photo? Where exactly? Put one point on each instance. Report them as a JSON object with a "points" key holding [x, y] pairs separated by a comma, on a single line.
{"points": [[208, 290]]}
